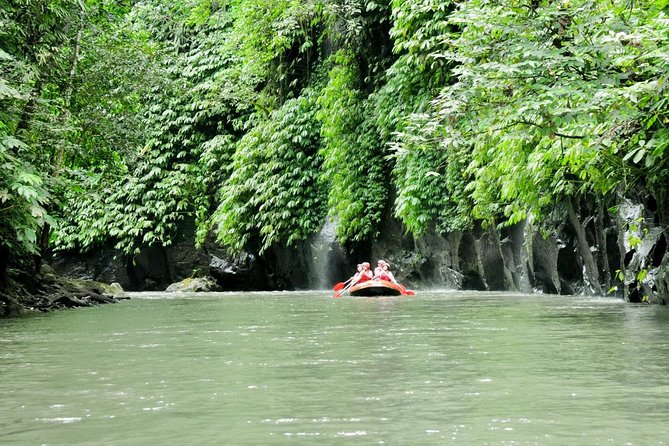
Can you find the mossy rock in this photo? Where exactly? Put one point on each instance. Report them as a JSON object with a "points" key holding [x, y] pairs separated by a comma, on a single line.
{"points": [[193, 284]]}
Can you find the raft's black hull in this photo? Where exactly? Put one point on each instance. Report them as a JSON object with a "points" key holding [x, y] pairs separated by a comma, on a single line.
{"points": [[373, 288]]}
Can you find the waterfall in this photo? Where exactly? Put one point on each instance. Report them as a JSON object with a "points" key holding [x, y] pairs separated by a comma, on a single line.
{"points": [[326, 253]]}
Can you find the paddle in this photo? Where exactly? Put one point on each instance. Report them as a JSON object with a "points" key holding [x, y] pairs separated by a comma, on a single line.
{"points": [[341, 293], [405, 291], [350, 285], [339, 285]]}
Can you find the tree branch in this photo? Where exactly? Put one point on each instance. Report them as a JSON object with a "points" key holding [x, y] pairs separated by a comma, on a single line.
{"points": [[561, 135]]}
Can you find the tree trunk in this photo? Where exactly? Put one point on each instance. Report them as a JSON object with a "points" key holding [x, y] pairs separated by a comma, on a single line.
{"points": [[29, 108], [69, 88], [591, 274], [603, 256], [58, 162], [4, 264]]}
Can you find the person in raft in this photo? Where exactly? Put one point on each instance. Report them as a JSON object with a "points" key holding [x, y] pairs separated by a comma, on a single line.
{"points": [[382, 272], [363, 275], [353, 280], [366, 273]]}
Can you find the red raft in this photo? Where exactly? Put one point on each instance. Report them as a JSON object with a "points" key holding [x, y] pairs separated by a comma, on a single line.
{"points": [[378, 288]]}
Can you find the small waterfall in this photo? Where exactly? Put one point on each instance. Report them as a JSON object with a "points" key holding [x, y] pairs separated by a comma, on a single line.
{"points": [[325, 254]]}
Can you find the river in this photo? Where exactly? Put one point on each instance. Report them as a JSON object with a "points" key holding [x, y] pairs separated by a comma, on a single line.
{"points": [[303, 368]]}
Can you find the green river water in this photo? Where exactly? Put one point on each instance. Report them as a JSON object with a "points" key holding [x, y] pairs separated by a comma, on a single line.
{"points": [[439, 368]]}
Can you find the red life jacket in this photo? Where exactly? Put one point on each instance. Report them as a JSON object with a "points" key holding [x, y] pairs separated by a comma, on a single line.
{"points": [[363, 278], [385, 277]]}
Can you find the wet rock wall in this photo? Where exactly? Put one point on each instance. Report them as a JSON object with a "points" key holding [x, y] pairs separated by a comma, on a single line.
{"points": [[587, 251]]}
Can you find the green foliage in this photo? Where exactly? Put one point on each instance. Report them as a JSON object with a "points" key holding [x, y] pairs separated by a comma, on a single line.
{"points": [[419, 31], [32, 37], [214, 62], [353, 154], [276, 43], [423, 174], [361, 27], [548, 103], [275, 191], [34, 30], [186, 146], [116, 67], [430, 182], [219, 65], [85, 218], [23, 198], [33, 49]]}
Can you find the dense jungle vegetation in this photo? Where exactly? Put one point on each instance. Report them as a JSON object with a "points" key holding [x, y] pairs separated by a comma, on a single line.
{"points": [[258, 119]]}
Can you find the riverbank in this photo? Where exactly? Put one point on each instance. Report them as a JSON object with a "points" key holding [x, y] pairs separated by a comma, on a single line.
{"points": [[47, 291]]}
